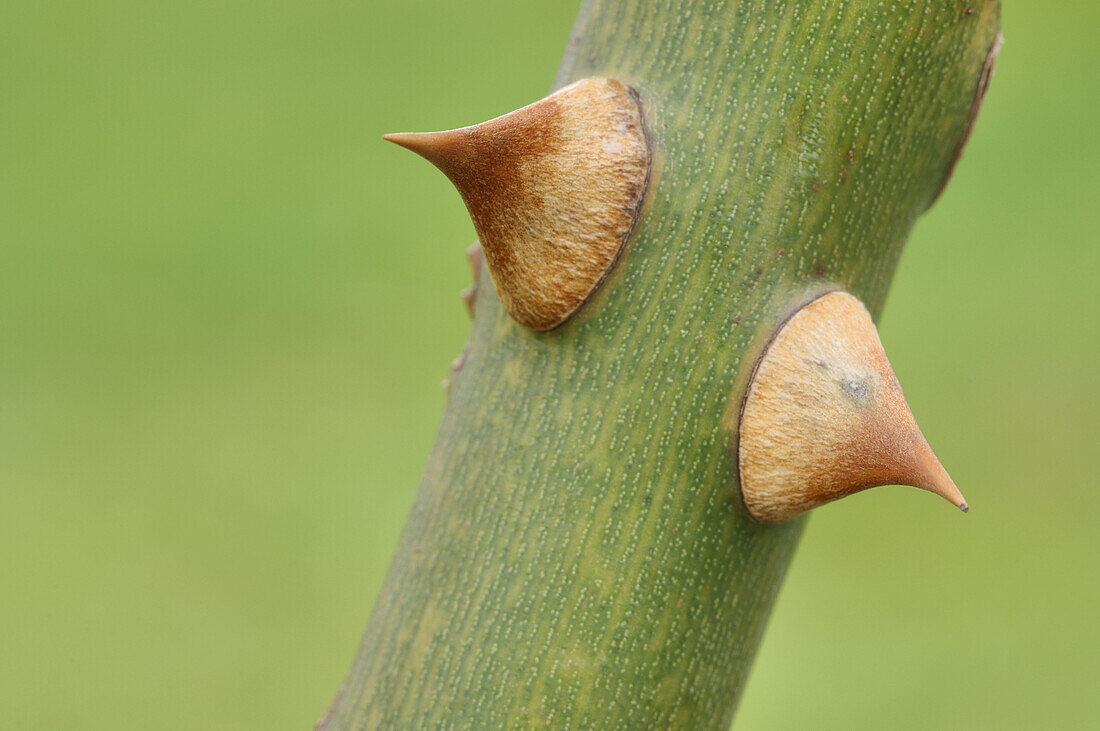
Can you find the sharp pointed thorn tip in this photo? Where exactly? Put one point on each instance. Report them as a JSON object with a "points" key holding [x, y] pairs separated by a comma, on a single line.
{"points": [[398, 138], [436, 147], [411, 140]]}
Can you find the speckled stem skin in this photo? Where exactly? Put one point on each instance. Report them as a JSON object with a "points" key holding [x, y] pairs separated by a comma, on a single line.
{"points": [[577, 556]]}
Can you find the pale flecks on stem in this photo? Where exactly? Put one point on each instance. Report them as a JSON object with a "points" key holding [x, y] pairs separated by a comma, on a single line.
{"points": [[824, 417], [554, 190]]}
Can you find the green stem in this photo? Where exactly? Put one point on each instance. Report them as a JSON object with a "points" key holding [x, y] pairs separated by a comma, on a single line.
{"points": [[577, 555]]}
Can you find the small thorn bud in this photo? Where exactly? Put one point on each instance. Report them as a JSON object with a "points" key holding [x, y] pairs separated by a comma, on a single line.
{"points": [[824, 417], [476, 259], [553, 189], [468, 295]]}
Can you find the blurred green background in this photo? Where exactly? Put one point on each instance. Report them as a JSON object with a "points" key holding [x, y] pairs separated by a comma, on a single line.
{"points": [[226, 308]]}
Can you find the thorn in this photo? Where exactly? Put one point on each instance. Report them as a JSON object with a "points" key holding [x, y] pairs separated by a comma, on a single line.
{"points": [[825, 417], [554, 190]]}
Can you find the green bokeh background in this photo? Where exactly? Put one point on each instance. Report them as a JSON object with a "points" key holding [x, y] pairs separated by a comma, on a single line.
{"points": [[226, 309]]}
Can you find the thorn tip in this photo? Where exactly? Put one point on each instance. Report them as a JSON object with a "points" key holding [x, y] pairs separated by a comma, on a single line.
{"points": [[418, 142]]}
